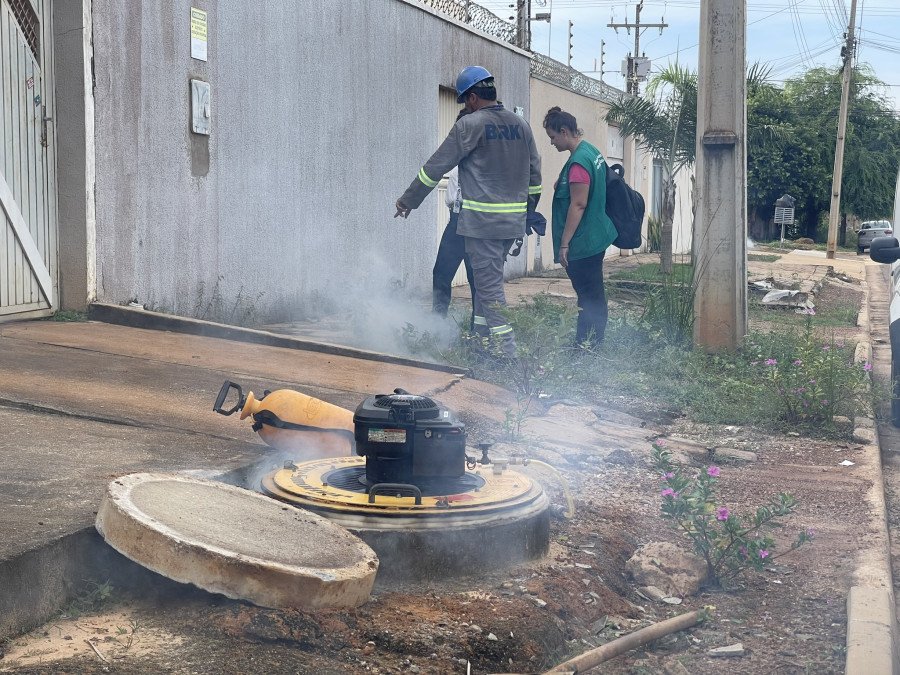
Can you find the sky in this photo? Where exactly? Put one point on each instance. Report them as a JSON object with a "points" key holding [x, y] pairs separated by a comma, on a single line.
{"points": [[790, 35]]}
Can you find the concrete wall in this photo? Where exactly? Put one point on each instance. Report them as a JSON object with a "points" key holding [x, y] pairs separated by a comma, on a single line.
{"points": [[590, 114], [322, 113], [74, 137], [683, 224]]}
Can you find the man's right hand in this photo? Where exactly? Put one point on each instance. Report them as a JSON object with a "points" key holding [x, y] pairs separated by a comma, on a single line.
{"points": [[403, 210]]}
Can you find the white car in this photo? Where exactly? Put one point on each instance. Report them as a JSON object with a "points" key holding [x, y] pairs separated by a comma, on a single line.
{"points": [[869, 230]]}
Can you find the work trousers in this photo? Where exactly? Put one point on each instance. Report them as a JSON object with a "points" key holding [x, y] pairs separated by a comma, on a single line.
{"points": [[593, 312], [451, 252], [487, 257]]}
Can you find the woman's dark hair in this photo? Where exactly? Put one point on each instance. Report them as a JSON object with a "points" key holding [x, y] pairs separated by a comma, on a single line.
{"points": [[557, 119]]}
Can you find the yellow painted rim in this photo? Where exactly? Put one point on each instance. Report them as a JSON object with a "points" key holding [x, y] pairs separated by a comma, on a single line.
{"points": [[305, 485]]}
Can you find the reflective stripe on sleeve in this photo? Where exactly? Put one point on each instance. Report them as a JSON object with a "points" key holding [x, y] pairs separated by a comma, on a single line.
{"points": [[425, 179], [534, 189]]}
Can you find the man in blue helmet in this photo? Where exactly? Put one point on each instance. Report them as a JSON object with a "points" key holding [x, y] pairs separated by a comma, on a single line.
{"points": [[500, 181]]}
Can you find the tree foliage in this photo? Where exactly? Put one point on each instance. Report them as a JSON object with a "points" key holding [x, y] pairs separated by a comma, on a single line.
{"points": [[798, 158]]}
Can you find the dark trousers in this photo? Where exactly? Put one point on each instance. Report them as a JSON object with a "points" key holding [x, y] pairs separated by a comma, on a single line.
{"points": [[451, 252], [587, 280]]}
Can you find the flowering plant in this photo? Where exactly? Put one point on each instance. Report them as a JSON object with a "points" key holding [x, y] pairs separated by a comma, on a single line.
{"points": [[728, 543], [814, 381]]}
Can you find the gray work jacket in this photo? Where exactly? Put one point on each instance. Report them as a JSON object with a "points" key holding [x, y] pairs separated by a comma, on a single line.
{"points": [[499, 173]]}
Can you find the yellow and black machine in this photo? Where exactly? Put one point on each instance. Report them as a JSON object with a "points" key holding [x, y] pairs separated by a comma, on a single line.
{"points": [[396, 473]]}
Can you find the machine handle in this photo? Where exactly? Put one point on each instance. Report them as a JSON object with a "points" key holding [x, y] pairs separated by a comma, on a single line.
{"points": [[223, 394], [395, 487]]}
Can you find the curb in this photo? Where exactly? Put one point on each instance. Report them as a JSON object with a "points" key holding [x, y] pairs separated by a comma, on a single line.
{"points": [[872, 639], [39, 582], [142, 318]]}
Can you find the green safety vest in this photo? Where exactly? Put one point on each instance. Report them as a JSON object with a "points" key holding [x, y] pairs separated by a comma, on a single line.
{"points": [[596, 231]]}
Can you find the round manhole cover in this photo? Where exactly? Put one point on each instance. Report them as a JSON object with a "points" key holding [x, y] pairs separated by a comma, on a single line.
{"points": [[232, 541]]}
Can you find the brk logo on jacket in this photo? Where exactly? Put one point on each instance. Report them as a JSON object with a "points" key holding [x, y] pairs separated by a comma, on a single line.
{"points": [[502, 132]]}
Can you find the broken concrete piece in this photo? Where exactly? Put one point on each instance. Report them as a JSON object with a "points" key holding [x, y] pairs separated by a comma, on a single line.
{"points": [[736, 649], [669, 568], [653, 593], [235, 542]]}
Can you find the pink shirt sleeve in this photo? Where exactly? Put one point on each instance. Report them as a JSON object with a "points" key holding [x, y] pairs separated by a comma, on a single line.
{"points": [[578, 174]]}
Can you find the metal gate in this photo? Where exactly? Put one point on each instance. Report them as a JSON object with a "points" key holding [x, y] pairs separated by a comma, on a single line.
{"points": [[28, 264]]}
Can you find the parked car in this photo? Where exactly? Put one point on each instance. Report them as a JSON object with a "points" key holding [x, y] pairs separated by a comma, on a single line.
{"points": [[870, 229], [887, 250]]}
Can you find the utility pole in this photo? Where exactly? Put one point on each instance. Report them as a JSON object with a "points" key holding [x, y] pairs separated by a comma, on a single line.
{"points": [[569, 57], [523, 24], [602, 58], [834, 214], [720, 228], [632, 77]]}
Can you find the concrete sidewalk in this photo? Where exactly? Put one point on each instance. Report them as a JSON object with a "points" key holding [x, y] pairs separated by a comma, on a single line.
{"points": [[82, 403]]}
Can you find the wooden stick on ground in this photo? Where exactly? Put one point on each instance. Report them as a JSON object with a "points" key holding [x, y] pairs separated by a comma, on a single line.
{"points": [[97, 651], [595, 657]]}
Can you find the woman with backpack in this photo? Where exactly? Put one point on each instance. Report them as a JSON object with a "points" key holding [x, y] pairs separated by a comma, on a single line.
{"points": [[582, 231]]}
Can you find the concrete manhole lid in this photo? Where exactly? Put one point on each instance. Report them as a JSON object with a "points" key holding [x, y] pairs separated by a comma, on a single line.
{"points": [[232, 541]]}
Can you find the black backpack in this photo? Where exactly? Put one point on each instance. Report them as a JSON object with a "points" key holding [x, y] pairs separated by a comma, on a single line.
{"points": [[625, 207]]}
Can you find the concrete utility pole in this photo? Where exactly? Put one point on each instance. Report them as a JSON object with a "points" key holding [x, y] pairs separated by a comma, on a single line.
{"points": [[523, 24], [602, 58], [632, 77], [720, 229], [834, 215]]}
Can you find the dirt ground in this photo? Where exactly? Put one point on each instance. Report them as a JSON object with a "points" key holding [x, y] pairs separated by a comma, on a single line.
{"points": [[525, 618]]}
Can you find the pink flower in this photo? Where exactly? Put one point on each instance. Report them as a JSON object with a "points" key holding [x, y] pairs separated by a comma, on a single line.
{"points": [[867, 367], [661, 442], [825, 348], [810, 532], [722, 513], [668, 492], [763, 553], [771, 362], [743, 551], [798, 362], [713, 471]]}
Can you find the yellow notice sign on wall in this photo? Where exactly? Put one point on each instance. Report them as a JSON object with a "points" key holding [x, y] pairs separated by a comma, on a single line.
{"points": [[198, 34]]}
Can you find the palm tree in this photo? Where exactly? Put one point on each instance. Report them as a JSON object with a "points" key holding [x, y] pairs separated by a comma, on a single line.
{"points": [[665, 124]]}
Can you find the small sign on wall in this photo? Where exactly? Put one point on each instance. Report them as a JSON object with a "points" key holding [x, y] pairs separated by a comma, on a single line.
{"points": [[198, 34]]}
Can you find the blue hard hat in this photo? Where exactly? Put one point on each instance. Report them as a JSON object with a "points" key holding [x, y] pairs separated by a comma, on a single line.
{"points": [[468, 77]]}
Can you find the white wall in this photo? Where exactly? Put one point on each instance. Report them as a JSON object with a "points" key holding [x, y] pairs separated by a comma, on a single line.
{"points": [[322, 113]]}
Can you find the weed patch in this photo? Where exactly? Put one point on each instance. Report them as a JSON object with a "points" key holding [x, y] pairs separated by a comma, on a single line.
{"points": [[69, 316], [791, 378]]}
